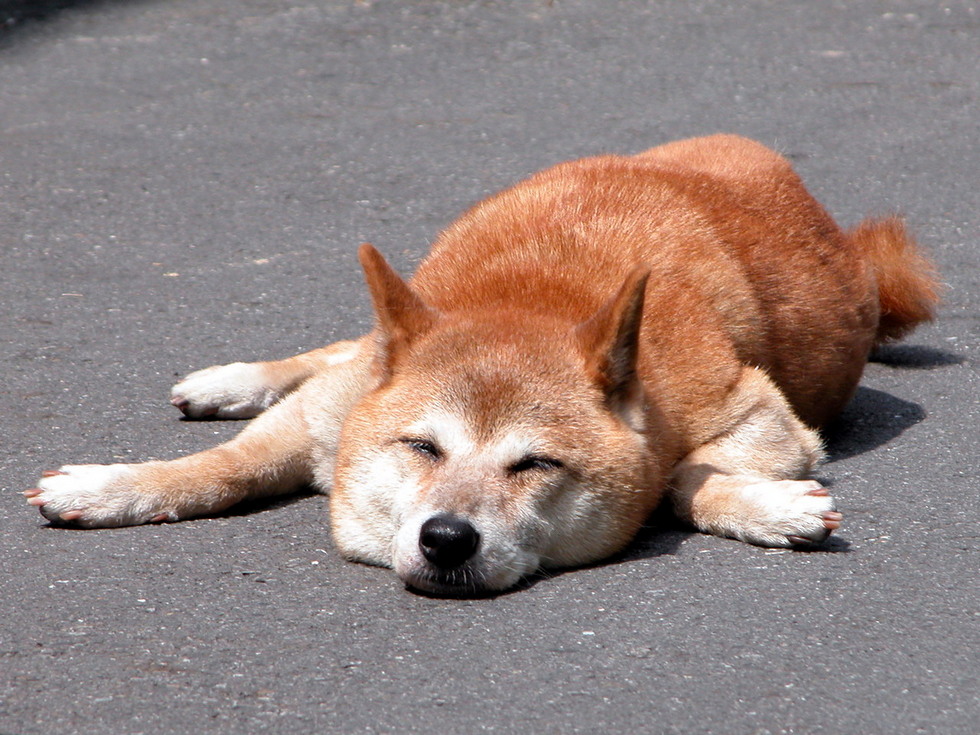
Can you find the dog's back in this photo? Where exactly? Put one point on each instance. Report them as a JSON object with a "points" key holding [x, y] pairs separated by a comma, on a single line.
{"points": [[735, 244]]}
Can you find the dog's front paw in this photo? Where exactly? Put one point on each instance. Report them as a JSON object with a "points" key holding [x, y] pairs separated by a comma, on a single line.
{"points": [[785, 513], [95, 496], [236, 391]]}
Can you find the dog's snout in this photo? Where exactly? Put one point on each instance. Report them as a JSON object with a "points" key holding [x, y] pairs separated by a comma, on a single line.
{"points": [[447, 541]]}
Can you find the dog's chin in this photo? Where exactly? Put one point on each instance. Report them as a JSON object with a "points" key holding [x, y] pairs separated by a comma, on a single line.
{"points": [[446, 585], [464, 581]]}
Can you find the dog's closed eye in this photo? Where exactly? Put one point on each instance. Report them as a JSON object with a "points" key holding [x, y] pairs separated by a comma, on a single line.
{"points": [[423, 447], [535, 463]]}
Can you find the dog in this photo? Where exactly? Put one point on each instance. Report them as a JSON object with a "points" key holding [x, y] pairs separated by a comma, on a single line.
{"points": [[612, 333]]}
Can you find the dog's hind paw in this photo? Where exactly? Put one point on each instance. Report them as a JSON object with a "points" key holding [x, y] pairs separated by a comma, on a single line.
{"points": [[785, 513], [95, 496], [236, 391]]}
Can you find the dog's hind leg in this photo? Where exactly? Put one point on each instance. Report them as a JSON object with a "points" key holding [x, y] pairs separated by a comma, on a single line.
{"points": [[290, 445], [242, 390], [746, 483]]}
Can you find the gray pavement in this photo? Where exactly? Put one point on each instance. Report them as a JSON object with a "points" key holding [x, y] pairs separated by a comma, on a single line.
{"points": [[185, 182]]}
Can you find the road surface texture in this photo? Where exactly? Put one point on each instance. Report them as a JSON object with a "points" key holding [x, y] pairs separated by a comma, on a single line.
{"points": [[185, 182]]}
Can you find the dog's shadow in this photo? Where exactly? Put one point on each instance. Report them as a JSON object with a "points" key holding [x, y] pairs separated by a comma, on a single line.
{"points": [[915, 357], [257, 505], [14, 12], [874, 418]]}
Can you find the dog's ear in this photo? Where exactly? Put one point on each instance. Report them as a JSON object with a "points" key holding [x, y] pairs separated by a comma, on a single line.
{"points": [[610, 341], [402, 315]]}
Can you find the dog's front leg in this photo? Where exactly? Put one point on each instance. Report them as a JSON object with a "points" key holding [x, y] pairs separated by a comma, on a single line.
{"points": [[292, 444], [746, 482], [272, 456], [242, 390]]}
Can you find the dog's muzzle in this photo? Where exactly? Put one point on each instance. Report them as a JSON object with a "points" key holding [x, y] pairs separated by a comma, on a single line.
{"points": [[448, 561]]}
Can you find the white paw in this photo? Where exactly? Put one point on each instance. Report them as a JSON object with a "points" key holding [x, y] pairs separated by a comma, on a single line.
{"points": [[785, 513], [236, 391], [94, 495]]}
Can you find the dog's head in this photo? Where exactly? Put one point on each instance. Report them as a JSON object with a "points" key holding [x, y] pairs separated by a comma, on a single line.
{"points": [[493, 444]]}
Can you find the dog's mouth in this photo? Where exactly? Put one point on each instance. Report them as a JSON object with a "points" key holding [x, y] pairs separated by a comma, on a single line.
{"points": [[464, 581]]}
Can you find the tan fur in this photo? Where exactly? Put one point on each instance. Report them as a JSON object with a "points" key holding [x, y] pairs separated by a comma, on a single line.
{"points": [[574, 348], [907, 287]]}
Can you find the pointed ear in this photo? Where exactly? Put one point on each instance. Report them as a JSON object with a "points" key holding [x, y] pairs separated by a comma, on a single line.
{"points": [[610, 340], [402, 315]]}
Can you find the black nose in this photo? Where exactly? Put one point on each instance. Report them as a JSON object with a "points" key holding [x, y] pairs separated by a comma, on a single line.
{"points": [[447, 541]]}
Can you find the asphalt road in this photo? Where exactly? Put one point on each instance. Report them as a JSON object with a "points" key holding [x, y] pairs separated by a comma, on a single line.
{"points": [[185, 182]]}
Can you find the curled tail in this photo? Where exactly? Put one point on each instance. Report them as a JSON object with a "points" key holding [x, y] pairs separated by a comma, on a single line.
{"points": [[908, 289]]}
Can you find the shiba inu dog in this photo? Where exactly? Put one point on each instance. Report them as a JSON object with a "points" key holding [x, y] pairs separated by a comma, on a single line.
{"points": [[608, 334]]}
